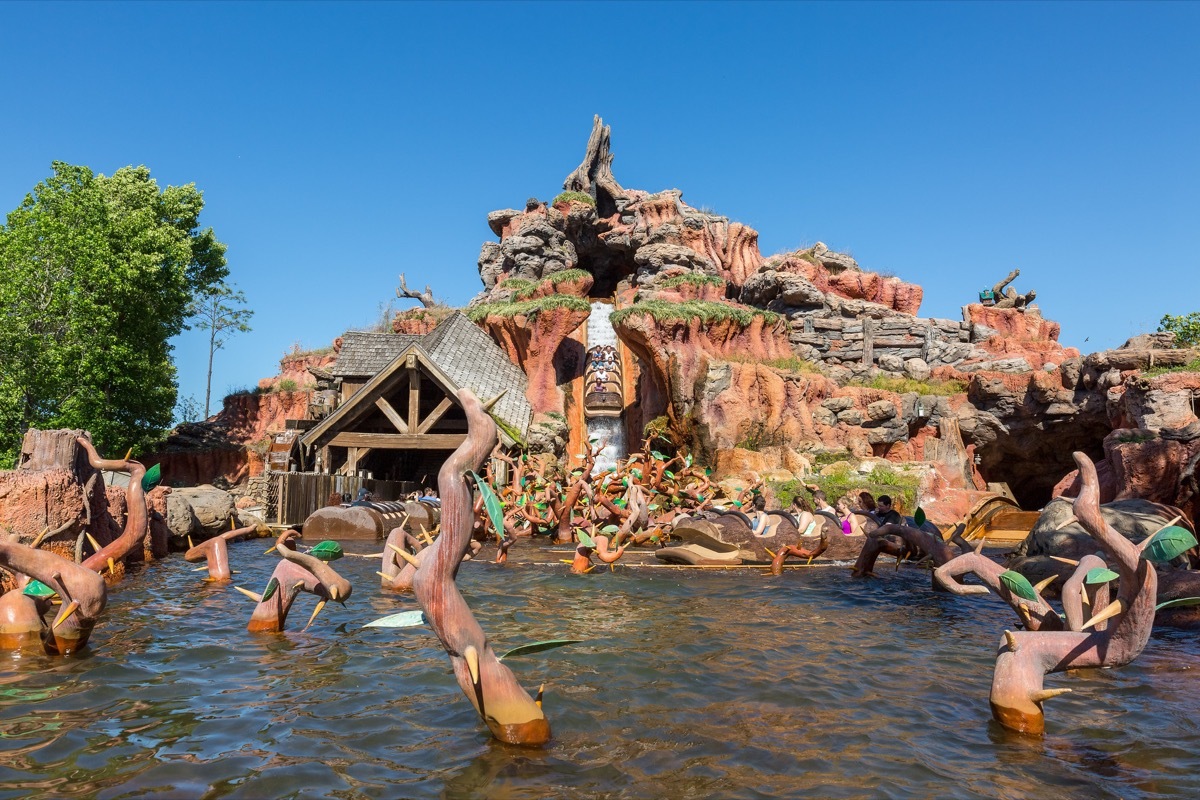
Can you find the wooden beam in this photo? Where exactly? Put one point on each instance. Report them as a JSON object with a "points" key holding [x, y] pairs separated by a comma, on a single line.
{"points": [[399, 441], [392, 415], [434, 415], [414, 397], [351, 460]]}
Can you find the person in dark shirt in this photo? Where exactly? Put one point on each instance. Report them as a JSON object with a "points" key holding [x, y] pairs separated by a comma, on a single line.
{"points": [[884, 512]]}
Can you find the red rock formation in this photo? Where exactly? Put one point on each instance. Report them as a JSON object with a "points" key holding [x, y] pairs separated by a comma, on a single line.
{"points": [[852, 284], [419, 321], [676, 352], [534, 344]]}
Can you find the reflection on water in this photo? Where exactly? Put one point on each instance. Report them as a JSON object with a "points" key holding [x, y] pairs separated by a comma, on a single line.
{"points": [[690, 685]]}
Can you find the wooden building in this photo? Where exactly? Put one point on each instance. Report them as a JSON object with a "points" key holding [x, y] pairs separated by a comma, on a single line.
{"points": [[398, 417]]}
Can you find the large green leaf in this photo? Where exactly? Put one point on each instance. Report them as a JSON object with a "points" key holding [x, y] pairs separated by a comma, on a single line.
{"points": [[1170, 543], [538, 647], [584, 538], [326, 551], [1100, 575], [152, 478], [491, 503], [1018, 584], [36, 588], [272, 587], [1182, 601], [405, 619], [919, 517]]}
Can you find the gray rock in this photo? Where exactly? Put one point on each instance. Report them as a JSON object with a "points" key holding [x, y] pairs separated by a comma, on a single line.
{"points": [[891, 363], [881, 410], [823, 416], [917, 369], [836, 404], [851, 416], [199, 511], [832, 261]]}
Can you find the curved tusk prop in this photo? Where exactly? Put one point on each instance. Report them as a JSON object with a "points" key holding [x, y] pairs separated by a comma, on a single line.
{"points": [[1011, 638], [333, 593], [1114, 608], [317, 610], [190, 543], [770, 553], [407, 556], [38, 539], [1045, 694], [113, 567], [538, 699], [200, 569], [1068, 521], [471, 656], [92, 539], [1070, 561], [67, 610], [979, 547], [269, 550], [488, 405], [256, 597], [1083, 595], [1023, 613], [1040, 586]]}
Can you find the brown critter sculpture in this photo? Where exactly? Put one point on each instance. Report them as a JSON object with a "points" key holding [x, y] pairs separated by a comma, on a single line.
{"points": [[1035, 614], [510, 713], [903, 542], [582, 563], [136, 519], [215, 552], [81, 590], [1025, 658], [296, 572]]}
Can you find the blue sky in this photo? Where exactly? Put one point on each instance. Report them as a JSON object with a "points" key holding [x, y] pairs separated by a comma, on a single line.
{"points": [[340, 144]]}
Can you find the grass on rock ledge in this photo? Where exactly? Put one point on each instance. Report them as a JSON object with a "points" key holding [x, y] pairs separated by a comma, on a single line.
{"points": [[785, 364], [690, 279], [1191, 366], [576, 197], [528, 308], [908, 386], [708, 312]]}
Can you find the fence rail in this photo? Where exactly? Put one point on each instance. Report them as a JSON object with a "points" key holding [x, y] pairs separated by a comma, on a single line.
{"points": [[299, 494]]}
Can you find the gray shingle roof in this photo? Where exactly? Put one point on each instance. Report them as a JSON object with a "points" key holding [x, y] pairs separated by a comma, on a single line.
{"points": [[470, 358], [363, 354], [460, 349]]}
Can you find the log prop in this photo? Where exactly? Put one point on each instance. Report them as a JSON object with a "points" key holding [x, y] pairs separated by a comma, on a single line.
{"points": [[1025, 658], [137, 517], [508, 711]]}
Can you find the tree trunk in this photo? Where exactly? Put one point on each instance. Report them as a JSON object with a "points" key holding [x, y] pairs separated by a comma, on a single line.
{"points": [[594, 175]]}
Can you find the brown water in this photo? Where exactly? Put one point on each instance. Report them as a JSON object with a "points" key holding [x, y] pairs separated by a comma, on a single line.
{"points": [[691, 684]]}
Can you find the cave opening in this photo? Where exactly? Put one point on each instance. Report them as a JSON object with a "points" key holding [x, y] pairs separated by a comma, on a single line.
{"points": [[1033, 461], [608, 269]]}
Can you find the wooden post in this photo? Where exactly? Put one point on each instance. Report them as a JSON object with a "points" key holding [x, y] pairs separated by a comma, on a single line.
{"points": [[868, 342], [414, 398]]}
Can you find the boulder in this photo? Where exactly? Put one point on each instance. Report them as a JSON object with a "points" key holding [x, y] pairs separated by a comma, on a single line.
{"points": [[199, 511]]}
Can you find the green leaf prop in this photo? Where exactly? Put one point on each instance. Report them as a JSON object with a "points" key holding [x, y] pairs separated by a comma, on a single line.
{"points": [[327, 551], [538, 647], [1170, 543], [919, 517], [1100, 575], [658, 456], [687, 460], [1182, 601], [405, 619], [495, 510], [151, 478], [609, 529], [584, 538], [272, 586], [1018, 584], [36, 588], [667, 473]]}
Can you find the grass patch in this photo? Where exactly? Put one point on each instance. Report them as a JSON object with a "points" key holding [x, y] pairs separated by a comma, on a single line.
{"points": [[690, 279], [574, 197], [1191, 366], [785, 364], [1137, 437], [512, 432], [708, 312], [908, 385], [528, 308], [846, 480]]}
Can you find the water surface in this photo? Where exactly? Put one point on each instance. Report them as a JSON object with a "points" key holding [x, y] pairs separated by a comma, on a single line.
{"points": [[691, 684]]}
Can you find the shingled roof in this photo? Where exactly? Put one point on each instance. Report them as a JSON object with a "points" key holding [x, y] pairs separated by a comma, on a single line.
{"points": [[363, 354], [461, 350]]}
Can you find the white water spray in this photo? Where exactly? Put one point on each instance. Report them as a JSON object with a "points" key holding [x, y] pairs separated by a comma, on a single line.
{"points": [[605, 429]]}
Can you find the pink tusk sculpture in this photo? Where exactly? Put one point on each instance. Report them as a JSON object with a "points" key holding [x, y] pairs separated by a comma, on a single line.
{"points": [[81, 590], [510, 713], [215, 552], [1025, 658], [296, 572], [136, 520]]}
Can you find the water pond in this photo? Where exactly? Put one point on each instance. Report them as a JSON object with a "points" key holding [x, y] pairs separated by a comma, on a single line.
{"points": [[691, 684]]}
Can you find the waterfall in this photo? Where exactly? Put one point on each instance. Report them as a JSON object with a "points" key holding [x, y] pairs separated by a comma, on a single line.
{"points": [[610, 429]]}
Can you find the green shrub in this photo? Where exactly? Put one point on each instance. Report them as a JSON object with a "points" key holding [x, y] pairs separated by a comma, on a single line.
{"points": [[528, 308], [287, 385], [708, 312], [1191, 366], [908, 385], [785, 364], [846, 480], [574, 197], [1136, 437], [1186, 328]]}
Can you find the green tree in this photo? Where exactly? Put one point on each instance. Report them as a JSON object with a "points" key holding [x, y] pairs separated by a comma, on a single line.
{"points": [[96, 276], [1186, 328], [217, 311]]}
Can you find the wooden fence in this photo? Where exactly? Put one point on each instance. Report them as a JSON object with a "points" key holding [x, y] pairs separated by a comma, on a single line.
{"points": [[301, 493]]}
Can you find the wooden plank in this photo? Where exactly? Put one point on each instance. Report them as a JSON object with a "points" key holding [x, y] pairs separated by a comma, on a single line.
{"points": [[414, 398], [399, 441], [392, 415], [868, 356], [434, 415], [351, 460]]}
